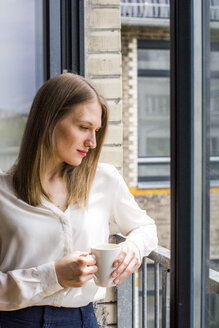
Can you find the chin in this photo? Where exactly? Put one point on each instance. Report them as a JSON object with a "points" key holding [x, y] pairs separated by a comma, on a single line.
{"points": [[75, 163]]}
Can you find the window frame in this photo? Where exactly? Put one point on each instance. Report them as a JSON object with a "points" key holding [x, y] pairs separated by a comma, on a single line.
{"points": [[64, 37]]}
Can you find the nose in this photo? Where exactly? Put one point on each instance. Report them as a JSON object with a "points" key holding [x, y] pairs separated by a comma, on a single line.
{"points": [[91, 141]]}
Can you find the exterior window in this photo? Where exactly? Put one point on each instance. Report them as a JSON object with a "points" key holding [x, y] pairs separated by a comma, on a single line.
{"points": [[21, 71], [153, 112]]}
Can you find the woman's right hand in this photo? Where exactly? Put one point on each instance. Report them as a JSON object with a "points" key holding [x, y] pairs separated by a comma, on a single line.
{"points": [[75, 269]]}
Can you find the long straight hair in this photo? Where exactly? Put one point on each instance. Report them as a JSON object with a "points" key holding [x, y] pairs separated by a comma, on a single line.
{"points": [[54, 100]]}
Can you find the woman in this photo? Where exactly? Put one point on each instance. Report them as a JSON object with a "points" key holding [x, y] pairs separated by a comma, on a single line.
{"points": [[55, 203]]}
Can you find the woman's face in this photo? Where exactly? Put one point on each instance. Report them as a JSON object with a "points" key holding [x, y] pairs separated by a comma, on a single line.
{"points": [[75, 134]]}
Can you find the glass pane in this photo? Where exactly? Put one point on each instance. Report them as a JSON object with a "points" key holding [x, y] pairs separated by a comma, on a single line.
{"points": [[149, 183], [214, 64], [154, 172], [214, 172], [212, 296], [214, 117], [153, 117], [153, 59], [214, 153], [21, 70]]}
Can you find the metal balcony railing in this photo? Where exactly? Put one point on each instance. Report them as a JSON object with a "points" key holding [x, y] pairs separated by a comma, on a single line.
{"points": [[148, 9], [158, 9], [134, 314]]}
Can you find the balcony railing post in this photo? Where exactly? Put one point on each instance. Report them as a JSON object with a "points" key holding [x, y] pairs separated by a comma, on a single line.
{"points": [[165, 298], [144, 293], [156, 294], [134, 300], [168, 300]]}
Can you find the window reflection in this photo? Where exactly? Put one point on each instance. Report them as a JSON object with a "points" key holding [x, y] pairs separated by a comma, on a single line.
{"points": [[21, 70], [153, 59], [214, 151], [212, 262], [214, 112]]}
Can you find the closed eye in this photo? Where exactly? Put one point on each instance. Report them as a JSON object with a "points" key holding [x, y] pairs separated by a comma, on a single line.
{"points": [[84, 127]]}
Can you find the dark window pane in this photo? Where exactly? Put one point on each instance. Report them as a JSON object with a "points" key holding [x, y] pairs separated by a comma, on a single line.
{"points": [[153, 59], [157, 173]]}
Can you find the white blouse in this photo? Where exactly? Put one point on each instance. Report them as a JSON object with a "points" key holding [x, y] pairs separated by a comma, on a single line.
{"points": [[33, 238]]}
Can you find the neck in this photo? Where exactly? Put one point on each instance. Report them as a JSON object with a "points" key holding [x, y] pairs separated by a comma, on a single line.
{"points": [[53, 170]]}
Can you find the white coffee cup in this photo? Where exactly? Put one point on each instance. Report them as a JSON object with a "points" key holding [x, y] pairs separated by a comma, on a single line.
{"points": [[105, 255]]}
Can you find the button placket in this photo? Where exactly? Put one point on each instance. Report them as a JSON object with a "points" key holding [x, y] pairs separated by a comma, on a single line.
{"points": [[66, 225], [68, 244]]}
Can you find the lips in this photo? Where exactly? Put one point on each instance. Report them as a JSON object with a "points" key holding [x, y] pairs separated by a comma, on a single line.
{"points": [[82, 152]]}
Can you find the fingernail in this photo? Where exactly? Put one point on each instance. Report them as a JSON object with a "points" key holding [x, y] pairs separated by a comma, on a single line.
{"points": [[116, 281], [114, 274], [116, 264]]}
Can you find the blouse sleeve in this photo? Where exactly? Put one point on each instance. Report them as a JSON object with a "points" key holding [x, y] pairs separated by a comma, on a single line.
{"points": [[133, 222], [23, 287]]}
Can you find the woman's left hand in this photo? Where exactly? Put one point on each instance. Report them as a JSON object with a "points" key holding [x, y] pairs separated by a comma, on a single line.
{"points": [[126, 262]]}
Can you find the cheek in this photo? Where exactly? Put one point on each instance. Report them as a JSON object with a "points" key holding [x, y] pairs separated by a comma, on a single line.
{"points": [[60, 138], [66, 138]]}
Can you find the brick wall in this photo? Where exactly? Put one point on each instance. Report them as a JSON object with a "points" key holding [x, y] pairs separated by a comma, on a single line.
{"points": [[103, 68], [130, 109]]}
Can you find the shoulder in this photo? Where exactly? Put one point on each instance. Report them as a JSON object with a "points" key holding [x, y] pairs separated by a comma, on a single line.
{"points": [[107, 175], [108, 170], [5, 181]]}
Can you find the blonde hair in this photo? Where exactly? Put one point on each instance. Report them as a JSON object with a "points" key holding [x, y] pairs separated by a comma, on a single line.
{"points": [[52, 102]]}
